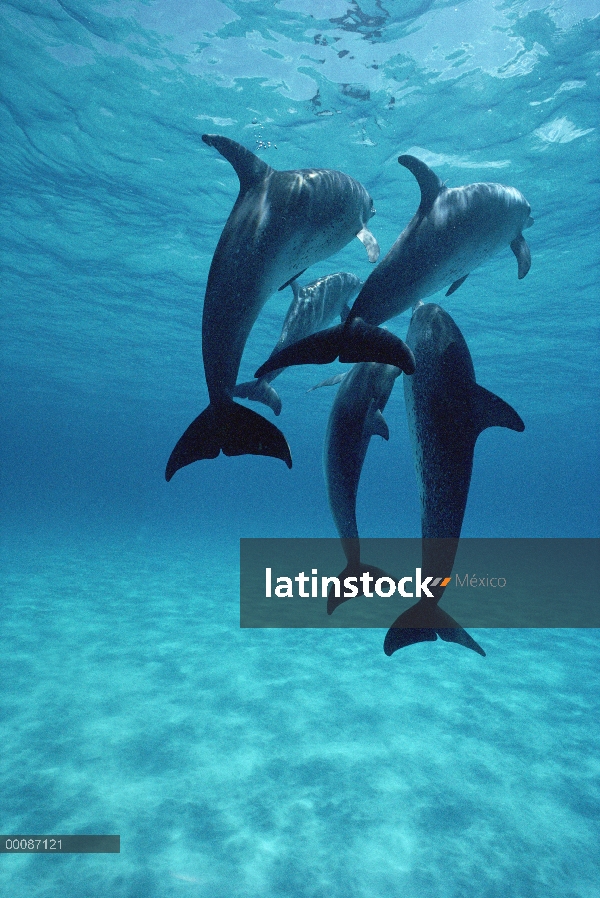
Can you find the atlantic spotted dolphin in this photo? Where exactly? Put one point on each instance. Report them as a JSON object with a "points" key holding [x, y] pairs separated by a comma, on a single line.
{"points": [[454, 230], [356, 415], [313, 307], [282, 222], [447, 410]]}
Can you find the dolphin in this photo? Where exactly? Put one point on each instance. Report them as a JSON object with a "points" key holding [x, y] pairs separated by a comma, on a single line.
{"points": [[356, 415], [312, 308], [454, 230], [447, 410], [282, 222]]}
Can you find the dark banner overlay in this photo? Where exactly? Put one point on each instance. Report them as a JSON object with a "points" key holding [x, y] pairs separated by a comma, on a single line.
{"points": [[59, 844], [492, 583]]}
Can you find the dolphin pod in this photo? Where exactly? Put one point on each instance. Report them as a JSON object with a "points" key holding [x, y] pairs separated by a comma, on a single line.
{"points": [[356, 415], [312, 308], [447, 410], [453, 231], [282, 222]]}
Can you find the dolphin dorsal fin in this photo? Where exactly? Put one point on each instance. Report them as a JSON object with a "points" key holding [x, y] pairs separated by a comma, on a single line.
{"points": [[491, 411], [428, 181], [249, 168]]}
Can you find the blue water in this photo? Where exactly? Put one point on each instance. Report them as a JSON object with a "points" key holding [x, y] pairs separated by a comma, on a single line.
{"points": [[273, 763]]}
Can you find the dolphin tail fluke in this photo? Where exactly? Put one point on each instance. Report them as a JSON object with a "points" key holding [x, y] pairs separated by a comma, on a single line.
{"points": [[367, 343], [424, 623], [461, 637], [354, 341], [399, 637], [232, 429], [318, 349], [356, 570], [259, 391]]}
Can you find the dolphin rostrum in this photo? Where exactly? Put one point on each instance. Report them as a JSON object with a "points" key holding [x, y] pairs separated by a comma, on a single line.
{"points": [[282, 222], [313, 307], [356, 414], [447, 410], [454, 230]]}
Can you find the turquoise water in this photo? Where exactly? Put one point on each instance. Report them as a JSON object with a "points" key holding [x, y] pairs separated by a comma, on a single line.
{"points": [[273, 763]]}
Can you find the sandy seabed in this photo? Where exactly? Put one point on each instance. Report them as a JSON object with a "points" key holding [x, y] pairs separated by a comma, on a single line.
{"points": [[279, 763]]}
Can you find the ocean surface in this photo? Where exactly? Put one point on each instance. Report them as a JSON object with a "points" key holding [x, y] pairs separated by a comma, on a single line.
{"points": [[271, 763]]}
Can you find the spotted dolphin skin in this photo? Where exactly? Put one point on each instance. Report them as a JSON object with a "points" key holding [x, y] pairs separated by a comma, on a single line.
{"points": [[356, 415], [313, 307], [282, 222], [454, 230], [447, 410]]}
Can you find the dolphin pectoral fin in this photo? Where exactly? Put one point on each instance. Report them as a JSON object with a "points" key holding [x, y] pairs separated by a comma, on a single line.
{"points": [[491, 411], [356, 570], [259, 391], [368, 343], [523, 253], [318, 349], [370, 244], [429, 183], [375, 423], [292, 283], [454, 287], [249, 168], [329, 381], [232, 428], [424, 622]]}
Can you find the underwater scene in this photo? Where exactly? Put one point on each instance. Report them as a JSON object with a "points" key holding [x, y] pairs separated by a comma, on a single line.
{"points": [[140, 295]]}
